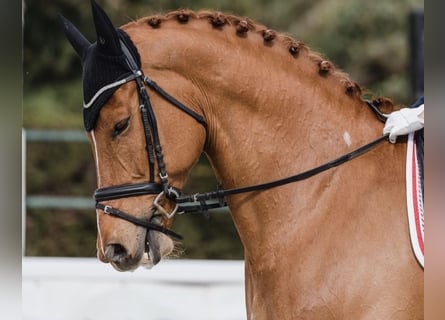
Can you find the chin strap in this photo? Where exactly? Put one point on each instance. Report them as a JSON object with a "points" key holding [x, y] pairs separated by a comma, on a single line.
{"points": [[146, 224]]}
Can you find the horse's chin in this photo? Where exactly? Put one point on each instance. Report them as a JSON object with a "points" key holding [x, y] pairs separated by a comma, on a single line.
{"points": [[159, 246]]}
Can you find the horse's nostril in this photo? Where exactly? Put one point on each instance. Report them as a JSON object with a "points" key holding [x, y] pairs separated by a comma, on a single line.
{"points": [[119, 249], [116, 252]]}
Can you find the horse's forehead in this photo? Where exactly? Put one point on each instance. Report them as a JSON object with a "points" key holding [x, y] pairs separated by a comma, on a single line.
{"points": [[99, 71]]}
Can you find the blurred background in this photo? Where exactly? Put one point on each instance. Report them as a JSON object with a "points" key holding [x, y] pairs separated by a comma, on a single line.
{"points": [[370, 40]]}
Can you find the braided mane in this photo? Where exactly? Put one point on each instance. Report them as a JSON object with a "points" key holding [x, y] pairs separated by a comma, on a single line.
{"points": [[243, 25]]}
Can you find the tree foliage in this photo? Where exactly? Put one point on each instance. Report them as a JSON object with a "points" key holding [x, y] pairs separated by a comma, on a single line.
{"points": [[367, 39]]}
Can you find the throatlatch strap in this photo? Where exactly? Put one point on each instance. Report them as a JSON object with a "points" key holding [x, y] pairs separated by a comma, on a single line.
{"points": [[175, 102]]}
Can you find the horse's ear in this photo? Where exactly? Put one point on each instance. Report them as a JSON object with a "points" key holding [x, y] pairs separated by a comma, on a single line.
{"points": [[77, 40], [107, 39]]}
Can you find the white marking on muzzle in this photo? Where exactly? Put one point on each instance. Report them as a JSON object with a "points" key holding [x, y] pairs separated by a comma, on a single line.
{"points": [[96, 158]]}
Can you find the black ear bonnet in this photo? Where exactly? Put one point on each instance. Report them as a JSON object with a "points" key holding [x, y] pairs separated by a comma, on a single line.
{"points": [[103, 62], [100, 70]]}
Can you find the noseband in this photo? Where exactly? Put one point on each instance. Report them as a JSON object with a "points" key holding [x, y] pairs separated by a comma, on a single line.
{"points": [[154, 152]]}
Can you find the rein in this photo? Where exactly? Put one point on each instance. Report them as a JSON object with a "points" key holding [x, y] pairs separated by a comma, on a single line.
{"points": [[200, 200], [186, 203]]}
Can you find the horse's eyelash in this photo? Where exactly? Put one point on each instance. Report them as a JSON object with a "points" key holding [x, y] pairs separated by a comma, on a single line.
{"points": [[121, 126]]}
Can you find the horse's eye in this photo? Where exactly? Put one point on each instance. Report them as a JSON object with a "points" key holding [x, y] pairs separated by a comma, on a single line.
{"points": [[121, 126]]}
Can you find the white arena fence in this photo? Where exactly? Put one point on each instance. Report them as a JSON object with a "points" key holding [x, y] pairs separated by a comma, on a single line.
{"points": [[86, 289]]}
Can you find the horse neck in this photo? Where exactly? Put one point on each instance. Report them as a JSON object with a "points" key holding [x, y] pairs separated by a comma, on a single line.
{"points": [[259, 100], [270, 113]]}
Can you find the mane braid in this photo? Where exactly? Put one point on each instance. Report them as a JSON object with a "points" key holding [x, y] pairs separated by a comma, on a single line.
{"points": [[243, 25]]}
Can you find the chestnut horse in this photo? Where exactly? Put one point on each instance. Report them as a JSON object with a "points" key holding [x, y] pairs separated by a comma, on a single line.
{"points": [[262, 106]]}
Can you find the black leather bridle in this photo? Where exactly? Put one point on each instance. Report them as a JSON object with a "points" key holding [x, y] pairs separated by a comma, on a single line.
{"points": [[154, 151], [187, 203]]}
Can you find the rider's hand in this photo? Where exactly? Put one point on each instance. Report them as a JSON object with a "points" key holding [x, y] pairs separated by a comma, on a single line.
{"points": [[404, 121]]}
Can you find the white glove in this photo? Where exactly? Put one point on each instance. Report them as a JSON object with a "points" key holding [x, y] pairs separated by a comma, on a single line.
{"points": [[404, 121]]}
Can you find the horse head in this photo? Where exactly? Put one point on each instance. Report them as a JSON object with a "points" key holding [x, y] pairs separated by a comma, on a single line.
{"points": [[137, 180]]}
